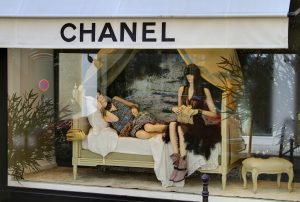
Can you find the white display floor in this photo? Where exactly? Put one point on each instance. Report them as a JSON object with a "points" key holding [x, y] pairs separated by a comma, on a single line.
{"points": [[140, 182]]}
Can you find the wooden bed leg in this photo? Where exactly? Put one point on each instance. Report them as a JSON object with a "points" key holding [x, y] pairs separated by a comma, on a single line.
{"points": [[244, 175], [75, 171], [224, 178]]}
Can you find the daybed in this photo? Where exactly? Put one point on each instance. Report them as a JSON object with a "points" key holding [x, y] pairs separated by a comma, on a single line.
{"points": [[231, 153]]}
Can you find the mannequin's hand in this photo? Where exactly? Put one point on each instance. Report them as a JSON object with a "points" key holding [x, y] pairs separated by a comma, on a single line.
{"points": [[99, 105], [134, 111], [176, 109], [102, 101]]}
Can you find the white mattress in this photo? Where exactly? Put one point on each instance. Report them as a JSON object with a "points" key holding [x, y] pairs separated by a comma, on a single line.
{"points": [[129, 145]]}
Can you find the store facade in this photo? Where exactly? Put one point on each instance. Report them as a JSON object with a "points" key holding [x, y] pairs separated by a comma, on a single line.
{"points": [[56, 56]]}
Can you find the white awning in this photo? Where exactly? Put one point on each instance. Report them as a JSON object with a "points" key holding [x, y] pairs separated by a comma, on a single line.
{"points": [[144, 24]]}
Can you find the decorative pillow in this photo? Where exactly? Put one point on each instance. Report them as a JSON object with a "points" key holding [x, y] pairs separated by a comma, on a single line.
{"points": [[75, 135]]}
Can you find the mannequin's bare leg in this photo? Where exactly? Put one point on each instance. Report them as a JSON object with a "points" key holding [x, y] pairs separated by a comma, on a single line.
{"points": [[141, 134], [175, 155], [182, 144], [160, 128], [182, 164], [174, 137]]}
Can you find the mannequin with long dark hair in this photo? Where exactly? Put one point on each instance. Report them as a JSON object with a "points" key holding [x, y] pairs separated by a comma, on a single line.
{"points": [[199, 137]]}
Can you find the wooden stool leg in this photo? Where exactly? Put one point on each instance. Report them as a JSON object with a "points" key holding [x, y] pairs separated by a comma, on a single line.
{"points": [[244, 176], [278, 179], [291, 177], [254, 179], [74, 172]]}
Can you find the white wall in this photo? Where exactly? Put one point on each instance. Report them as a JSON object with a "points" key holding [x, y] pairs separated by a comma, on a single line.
{"points": [[26, 67]]}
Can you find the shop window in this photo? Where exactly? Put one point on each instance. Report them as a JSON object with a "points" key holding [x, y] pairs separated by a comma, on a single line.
{"points": [[58, 134]]}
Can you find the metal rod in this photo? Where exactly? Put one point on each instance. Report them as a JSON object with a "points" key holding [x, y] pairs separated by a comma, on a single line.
{"points": [[281, 141], [205, 192], [293, 13], [292, 150]]}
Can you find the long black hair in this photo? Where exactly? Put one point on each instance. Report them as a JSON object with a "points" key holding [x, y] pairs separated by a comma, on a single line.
{"points": [[194, 70]]}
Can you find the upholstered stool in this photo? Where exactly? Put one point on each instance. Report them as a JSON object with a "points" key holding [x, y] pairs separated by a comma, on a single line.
{"points": [[273, 165]]}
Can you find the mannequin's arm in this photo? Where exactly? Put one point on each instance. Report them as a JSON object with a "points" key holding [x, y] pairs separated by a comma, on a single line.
{"points": [[125, 102], [110, 117], [176, 108], [180, 91], [210, 103]]}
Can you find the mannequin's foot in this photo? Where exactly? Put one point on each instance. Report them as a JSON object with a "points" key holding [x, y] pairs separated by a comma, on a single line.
{"points": [[181, 170]]}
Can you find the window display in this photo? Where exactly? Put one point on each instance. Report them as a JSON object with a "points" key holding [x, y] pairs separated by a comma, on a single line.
{"points": [[163, 116], [116, 100]]}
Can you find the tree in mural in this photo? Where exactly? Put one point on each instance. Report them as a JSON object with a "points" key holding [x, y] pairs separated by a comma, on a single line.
{"points": [[31, 132]]}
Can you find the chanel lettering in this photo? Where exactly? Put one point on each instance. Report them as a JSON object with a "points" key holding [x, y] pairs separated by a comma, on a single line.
{"points": [[95, 33]]}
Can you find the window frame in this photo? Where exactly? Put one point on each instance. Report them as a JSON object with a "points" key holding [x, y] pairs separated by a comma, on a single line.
{"points": [[31, 194]]}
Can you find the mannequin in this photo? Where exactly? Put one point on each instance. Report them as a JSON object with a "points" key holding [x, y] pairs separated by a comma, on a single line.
{"points": [[125, 117], [198, 137]]}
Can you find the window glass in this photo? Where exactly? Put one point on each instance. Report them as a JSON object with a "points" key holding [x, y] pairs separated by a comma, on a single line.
{"points": [[83, 118]]}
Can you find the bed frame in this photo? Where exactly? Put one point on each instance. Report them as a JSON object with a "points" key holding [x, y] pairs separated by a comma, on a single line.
{"points": [[233, 151]]}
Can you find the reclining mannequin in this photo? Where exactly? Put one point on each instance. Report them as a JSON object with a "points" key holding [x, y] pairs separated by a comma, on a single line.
{"points": [[127, 120]]}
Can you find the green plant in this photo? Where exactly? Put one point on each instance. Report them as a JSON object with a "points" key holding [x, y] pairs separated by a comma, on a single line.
{"points": [[248, 79], [31, 132], [232, 77]]}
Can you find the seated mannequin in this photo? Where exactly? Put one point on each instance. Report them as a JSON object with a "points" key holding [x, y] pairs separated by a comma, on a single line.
{"points": [[203, 133], [127, 120]]}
